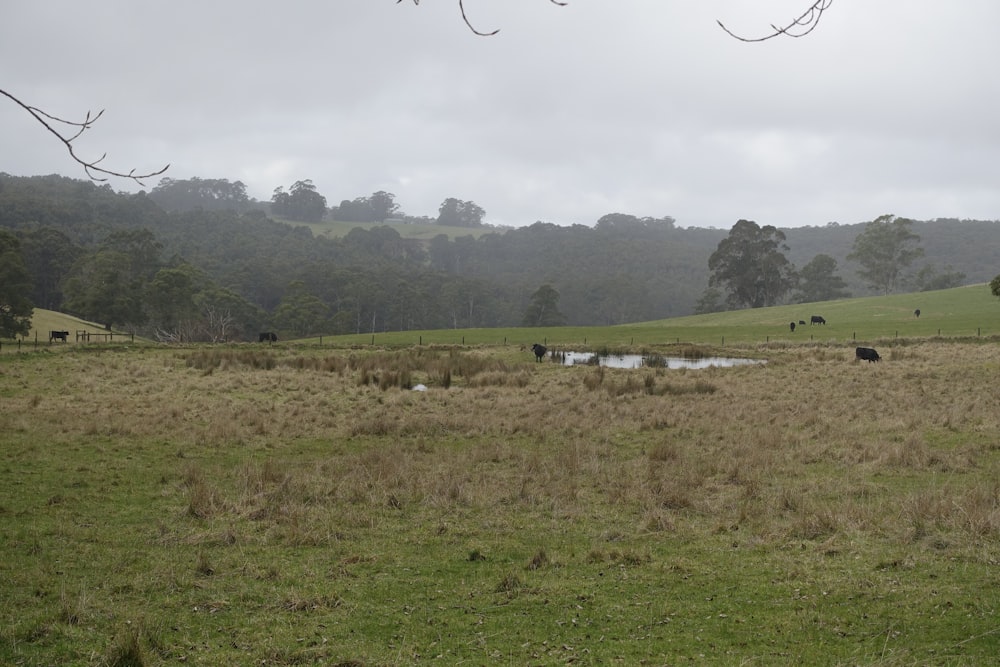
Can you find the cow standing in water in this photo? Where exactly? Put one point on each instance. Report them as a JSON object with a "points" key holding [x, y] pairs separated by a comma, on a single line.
{"points": [[539, 351]]}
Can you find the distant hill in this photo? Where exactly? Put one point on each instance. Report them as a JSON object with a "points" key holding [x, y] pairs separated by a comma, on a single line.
{"points": [[88, 245]]}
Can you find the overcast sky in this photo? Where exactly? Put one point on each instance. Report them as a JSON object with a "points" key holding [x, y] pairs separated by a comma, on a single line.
{"points": [[643, 107]]}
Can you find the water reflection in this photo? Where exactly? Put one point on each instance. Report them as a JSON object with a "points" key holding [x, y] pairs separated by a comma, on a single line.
{"points": [[655, 361]]}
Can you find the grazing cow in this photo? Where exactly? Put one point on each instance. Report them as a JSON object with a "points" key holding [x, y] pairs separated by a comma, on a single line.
{"points": [[59, 335], [268, 337], [539, 351], [916, 313], [817, 319], [802, 321], [791, 325], [866, 354]]}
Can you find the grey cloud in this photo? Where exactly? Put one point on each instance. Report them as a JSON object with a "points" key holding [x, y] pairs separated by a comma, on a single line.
{"points": [[639, 106]]}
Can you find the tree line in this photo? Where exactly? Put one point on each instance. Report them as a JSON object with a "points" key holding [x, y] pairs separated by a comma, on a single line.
{"points": [[302, 202], [225, 270]]}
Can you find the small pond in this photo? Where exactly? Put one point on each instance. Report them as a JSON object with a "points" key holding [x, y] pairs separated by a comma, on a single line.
{"points": [[653, 361]]}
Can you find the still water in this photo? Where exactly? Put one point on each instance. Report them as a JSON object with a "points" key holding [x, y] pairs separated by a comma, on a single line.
{"points": [[640, 361]]}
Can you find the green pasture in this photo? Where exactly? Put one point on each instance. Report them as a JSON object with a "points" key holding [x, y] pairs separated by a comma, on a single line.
{"points": [[43, 321], [339, 229], [961, 312]]}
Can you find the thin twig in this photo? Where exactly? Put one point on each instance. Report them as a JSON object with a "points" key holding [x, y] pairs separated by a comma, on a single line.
{"points": [[808, 22], [89, 166], [461, 8]]}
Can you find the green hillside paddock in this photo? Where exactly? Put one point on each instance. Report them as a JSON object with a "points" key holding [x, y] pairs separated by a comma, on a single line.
{"points": [[962, 312], [80, 331], [970, 311]]}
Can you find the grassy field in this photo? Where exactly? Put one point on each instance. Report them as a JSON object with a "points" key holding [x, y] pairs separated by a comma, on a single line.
{"points": [[43, 321], [298, 504], [961, 312], [337, 229]]}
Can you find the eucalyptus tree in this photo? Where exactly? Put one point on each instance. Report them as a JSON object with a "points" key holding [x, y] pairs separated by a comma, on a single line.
{"points": [[15, 288], [457, 213], [49, 255], [383, 205], [818, 281], [543, 311], [207, 194], [885, 249], [750, 264], [301, 203]]}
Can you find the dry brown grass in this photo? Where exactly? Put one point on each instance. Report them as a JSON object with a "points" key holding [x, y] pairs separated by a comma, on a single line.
{"points": [[806, 446]]}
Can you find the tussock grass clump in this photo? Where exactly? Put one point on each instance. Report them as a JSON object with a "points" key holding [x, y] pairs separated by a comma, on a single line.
{"points": [[127, 649], [296, 603], [203, 499], [626, 383], [539, 560], [218, 358], [594, 379], [511, 585], [72, 609], [517, 379], [681, 389]]}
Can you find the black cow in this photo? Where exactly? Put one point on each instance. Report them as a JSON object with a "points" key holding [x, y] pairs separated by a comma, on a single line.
{"points": [[866, 354], [916, 313], [267, 337], [802, 321], [791, 325], [817, 319], [539, 351], [58, 335]]}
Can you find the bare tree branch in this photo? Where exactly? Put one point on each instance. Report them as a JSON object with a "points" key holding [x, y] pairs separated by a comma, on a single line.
{"points": [[800, 27], [461, 8], [90, 166]]}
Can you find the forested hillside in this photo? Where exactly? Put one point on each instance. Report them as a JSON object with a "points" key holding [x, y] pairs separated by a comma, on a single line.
{"points": [[219, 273]]}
